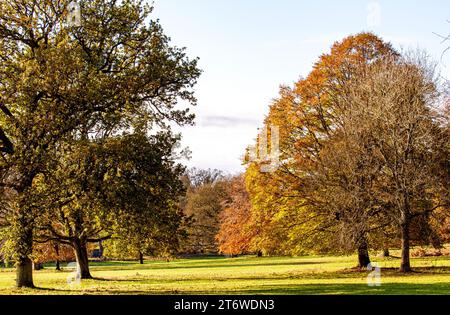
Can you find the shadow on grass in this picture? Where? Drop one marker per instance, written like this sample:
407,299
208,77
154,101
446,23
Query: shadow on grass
304,275
175,266
305,289
354,289
38,289
386,271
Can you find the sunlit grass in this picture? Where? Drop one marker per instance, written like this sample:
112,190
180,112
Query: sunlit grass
243,275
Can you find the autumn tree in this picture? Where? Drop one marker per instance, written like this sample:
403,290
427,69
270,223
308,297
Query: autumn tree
203,204
235,234
60,80
306,115
391,113
51,252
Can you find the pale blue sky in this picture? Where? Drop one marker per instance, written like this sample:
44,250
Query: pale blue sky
247,48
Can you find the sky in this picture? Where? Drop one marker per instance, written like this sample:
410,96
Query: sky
248,48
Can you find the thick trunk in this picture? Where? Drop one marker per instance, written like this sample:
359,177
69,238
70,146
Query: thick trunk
363,255
386,252
24,273
141,258
405,264
82,258
24,247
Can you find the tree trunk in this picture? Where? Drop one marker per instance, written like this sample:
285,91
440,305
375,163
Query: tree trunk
38,266
24,273
386,252
141,258
259,254
363,255
405,264
82,258
56,247
23,236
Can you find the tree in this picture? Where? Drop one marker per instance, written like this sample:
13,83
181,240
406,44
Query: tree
391,110
143,235
202,207
307,115
52,252
125,184
60,80
235,236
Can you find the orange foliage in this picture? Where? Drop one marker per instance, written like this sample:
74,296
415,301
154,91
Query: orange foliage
48,252
234,237
306,116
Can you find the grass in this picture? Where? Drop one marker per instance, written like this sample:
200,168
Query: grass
243,275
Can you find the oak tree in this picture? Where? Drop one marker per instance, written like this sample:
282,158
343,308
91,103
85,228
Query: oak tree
60,80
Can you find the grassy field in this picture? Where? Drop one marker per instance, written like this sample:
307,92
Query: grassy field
244,275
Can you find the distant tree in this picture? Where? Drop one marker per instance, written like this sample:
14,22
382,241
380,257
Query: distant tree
156,231
158,235
198,177
98,189
52,252
205,194
235,235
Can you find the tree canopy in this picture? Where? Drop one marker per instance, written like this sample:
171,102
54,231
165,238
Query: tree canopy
61,83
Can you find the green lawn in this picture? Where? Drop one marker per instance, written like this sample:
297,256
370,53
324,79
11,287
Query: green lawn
244,275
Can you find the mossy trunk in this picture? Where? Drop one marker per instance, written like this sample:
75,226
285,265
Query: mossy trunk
23,237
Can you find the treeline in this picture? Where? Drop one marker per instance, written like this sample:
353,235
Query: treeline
362,161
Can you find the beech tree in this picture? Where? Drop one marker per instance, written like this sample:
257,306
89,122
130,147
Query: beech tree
307,115
393,109
62,81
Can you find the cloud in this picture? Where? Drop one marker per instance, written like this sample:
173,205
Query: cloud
374,14
226,121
